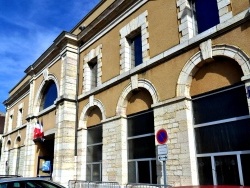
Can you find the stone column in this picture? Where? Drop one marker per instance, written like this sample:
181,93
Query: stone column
64,160
29,151
115,150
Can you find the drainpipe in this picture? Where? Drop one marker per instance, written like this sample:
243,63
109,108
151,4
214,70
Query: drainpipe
77,109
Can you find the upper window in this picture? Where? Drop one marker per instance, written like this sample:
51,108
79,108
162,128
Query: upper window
135,50
49,95
10,123
92,69
197,16
93,73
19,116
134,43
205,14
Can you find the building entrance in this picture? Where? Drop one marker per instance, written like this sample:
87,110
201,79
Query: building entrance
45,157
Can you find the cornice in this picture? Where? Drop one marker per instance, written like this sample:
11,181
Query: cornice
104,19
58,44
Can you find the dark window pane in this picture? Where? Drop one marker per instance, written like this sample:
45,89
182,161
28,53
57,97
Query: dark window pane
94,153
231,136
132,172
144,172
142,147
88,172
49,95
205,171
212,107
227,170
96,175
207,14
93,72
137,49
153,172
245,163
141,124
94,135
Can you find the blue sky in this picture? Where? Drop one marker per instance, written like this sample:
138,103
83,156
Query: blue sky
27,29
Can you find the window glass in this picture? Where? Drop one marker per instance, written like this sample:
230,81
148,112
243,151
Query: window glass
227,170
245,163
93,72
138,150
207,14
137,50
140,124
230,136
94,153
49,95
204,106
205,171
94,135
141,148
222,124
142,172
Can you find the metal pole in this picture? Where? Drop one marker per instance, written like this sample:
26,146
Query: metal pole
164,174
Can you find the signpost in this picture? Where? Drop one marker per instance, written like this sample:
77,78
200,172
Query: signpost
162,149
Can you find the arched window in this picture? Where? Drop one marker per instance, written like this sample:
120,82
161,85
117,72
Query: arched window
49,95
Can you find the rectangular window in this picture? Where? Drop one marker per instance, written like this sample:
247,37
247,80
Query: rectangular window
205,13
94,153
142,158
10,122
136,50
19,117
245,159
227,170
93,73
222,134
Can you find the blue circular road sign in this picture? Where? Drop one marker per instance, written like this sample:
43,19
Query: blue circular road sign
162,136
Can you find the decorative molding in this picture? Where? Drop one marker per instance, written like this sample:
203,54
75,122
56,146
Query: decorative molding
206,50
192,66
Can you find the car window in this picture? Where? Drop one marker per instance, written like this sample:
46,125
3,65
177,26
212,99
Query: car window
40,184
29,184
3,185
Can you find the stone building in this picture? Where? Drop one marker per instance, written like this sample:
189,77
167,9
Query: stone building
102,91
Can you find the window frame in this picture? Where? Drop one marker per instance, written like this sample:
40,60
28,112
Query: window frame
91,145
213,155
136,160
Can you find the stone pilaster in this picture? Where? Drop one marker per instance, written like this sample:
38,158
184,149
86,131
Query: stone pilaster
175,116
115,151
64,159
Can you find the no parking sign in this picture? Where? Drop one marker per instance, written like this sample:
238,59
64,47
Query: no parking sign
162,136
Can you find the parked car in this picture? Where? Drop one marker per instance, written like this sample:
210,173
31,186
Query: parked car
24,182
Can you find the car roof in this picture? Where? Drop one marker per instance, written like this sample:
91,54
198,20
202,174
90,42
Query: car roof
8,179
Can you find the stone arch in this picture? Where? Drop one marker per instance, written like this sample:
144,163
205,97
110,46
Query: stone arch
8,144
192,66
39,94
83,117
17,141
123,100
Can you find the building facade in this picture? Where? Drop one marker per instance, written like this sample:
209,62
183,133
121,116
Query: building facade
129,68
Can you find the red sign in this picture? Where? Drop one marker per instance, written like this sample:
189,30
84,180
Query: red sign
162,136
